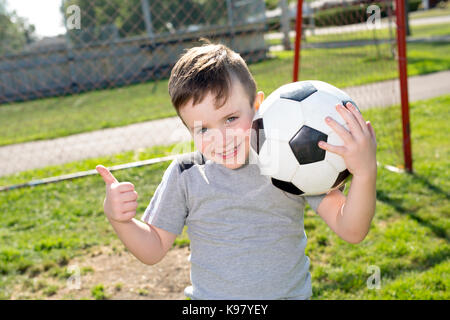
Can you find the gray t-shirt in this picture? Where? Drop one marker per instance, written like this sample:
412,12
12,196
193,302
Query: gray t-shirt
247,239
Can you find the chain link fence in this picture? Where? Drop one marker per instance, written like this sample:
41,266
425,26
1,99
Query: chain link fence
101,87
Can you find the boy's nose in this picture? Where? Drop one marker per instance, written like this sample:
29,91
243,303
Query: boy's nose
224,139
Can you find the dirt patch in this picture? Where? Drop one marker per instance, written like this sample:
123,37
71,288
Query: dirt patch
123,276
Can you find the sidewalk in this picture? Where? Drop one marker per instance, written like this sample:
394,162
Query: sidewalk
38,154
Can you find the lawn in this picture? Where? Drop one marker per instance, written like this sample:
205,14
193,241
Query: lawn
62,116
420,31
44,227
435,12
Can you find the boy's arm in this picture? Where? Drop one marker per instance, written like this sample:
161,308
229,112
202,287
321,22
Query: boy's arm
147,243
350,217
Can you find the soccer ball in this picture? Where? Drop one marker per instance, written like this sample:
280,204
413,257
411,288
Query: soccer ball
285,133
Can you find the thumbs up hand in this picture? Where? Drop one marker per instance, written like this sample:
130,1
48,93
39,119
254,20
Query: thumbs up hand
121,199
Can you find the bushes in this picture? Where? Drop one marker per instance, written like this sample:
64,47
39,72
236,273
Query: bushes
347,14
356,13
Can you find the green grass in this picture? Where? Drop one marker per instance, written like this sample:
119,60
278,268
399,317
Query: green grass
352,66
62,116
420,31
435,12
43,227
430,30
98,292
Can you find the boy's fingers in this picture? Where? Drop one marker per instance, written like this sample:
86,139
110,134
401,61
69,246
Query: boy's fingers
350,119
125,187
358,116
371,130
129,206
129,215
329,147
339,129
129,196
106,175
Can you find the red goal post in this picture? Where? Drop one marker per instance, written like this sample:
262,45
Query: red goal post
402,69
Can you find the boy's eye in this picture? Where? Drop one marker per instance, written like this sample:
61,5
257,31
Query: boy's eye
233,118
203,130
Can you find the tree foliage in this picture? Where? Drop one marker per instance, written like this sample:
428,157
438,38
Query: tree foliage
103,19
15,31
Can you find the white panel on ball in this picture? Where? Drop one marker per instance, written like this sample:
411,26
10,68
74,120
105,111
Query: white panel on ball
287,162
268,158
334,159
269,100
315,178
316,106
282,120
326,87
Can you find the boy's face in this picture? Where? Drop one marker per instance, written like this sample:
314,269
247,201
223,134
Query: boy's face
222,135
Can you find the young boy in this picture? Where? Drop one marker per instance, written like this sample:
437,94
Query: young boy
246,236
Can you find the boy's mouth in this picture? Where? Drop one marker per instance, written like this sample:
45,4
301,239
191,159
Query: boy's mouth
229,153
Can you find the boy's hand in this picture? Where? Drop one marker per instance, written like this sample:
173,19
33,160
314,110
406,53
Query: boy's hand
359,149
121,200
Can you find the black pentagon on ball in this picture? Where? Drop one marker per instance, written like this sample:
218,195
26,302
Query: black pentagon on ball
286,186
306,89
341,178
257,137
304,145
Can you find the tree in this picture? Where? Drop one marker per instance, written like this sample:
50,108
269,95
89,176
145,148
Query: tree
99,17
15,31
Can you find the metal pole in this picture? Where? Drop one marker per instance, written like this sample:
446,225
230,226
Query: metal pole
147,18
231,23
298,39
285,28
402,67
408,30
230,13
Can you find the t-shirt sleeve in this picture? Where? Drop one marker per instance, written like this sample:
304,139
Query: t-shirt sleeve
314,201
167,209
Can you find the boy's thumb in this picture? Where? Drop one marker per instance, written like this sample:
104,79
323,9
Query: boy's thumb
106,174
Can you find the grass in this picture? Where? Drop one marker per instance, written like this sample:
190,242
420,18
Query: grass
61,116
42,230
98,292
420,31
435,12
416,31
44,227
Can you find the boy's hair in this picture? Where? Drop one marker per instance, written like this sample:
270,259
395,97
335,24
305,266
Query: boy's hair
209,68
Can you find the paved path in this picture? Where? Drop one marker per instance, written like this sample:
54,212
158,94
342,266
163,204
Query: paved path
37,154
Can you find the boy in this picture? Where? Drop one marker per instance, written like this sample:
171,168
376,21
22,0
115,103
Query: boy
246,236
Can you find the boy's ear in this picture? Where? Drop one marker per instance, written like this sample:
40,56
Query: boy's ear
258,100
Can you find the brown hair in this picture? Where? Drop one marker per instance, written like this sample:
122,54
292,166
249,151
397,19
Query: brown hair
208,68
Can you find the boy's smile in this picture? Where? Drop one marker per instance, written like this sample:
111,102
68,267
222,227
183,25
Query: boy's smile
222,134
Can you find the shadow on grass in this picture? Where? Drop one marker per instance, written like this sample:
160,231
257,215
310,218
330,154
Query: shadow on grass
430,186
349,282
428,65
438,231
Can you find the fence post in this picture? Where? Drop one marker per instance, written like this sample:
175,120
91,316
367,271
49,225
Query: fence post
230,13
147,18
408,30
231,23
73,85
402,67
285,27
